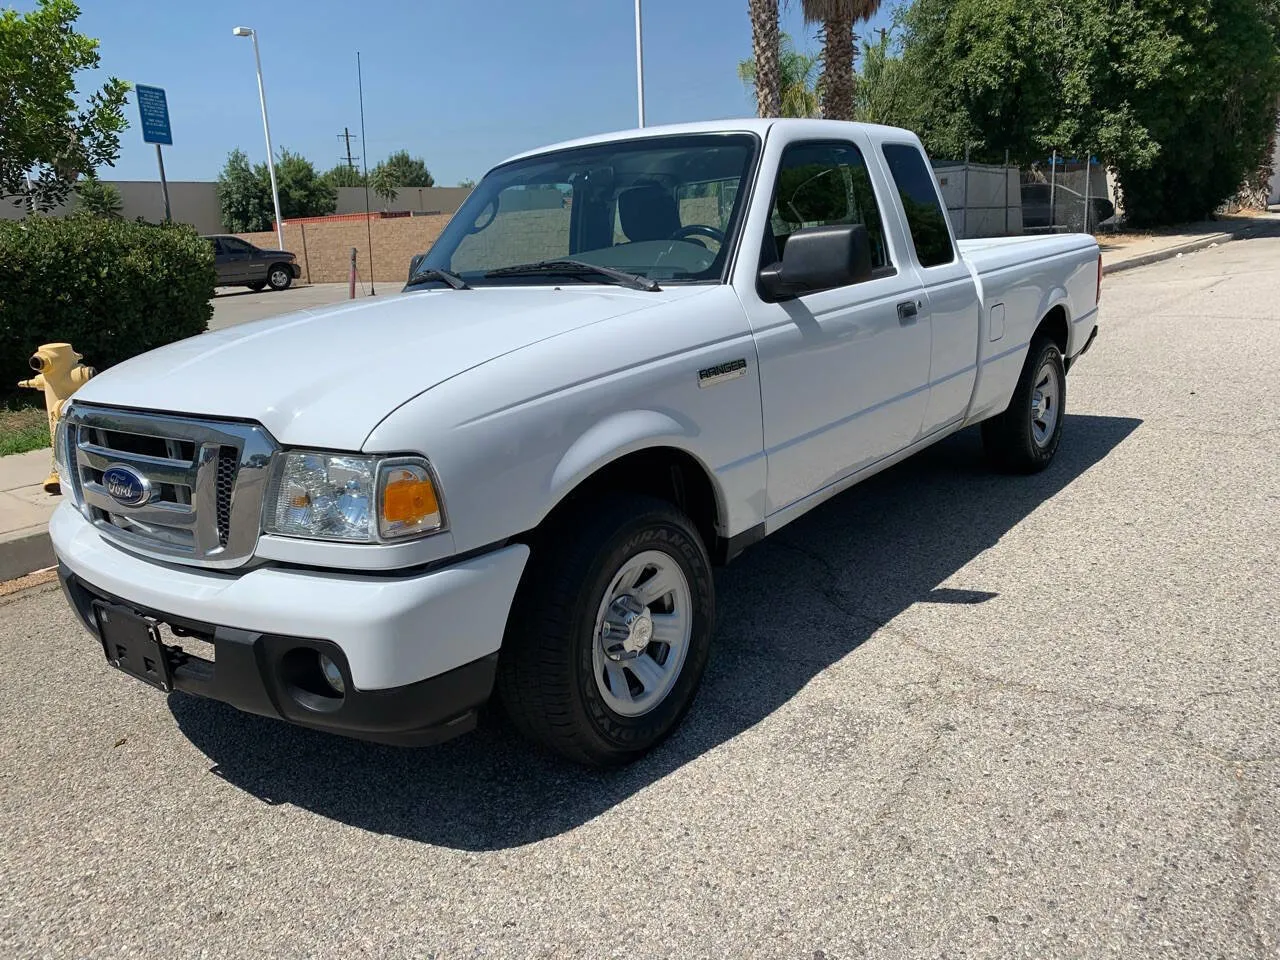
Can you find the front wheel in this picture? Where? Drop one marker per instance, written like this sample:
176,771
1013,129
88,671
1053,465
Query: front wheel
279,277
610,631
1025,437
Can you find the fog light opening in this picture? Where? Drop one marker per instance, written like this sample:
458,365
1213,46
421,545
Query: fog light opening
313,679
332,675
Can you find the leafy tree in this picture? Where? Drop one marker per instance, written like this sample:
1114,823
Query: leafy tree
345,175
1176,98
383,183
98,199
404,171
839,47
797,79
46,139
467,182
244,192
883,92
244,199
303,191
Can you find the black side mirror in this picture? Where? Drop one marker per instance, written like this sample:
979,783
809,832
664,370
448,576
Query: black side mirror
416,262
818,258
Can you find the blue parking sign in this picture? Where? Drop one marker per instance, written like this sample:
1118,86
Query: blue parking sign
154,109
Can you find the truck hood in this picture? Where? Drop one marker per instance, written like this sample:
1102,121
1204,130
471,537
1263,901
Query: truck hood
327,376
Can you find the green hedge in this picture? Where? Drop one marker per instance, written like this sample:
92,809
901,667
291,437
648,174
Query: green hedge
111,288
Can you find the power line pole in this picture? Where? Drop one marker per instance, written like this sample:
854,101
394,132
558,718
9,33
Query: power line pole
347,135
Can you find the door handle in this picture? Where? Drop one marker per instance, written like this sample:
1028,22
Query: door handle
907,311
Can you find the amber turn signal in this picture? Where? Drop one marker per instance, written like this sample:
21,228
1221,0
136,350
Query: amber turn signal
409,501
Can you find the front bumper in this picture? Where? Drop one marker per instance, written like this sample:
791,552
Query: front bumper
417,652
296,270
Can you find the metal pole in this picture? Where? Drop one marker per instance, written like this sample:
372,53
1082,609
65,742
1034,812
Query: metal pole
1005,174
964,230
266,128
164,184
364,159
1053,183
639,64
1087,172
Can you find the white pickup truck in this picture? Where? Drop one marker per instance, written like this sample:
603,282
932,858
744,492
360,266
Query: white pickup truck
625,359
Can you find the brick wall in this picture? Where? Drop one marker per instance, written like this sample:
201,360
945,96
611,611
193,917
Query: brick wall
324,249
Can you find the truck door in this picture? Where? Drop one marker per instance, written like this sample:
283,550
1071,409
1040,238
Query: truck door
950,293
843,371
238,262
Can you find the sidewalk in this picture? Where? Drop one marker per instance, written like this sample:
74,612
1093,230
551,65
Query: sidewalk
1125,251
24,514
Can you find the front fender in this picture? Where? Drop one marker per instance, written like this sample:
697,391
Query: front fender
616,436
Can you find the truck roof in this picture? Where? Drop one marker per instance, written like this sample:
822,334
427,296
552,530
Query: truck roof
816,128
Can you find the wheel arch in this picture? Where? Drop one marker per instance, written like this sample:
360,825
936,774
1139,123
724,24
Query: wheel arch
1055,323
642,451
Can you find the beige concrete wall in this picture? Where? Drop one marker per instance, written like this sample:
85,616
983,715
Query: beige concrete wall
190,201
414,199
324,249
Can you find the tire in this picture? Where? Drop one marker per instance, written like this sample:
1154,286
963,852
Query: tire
279,276
571,597
1025,437
257,285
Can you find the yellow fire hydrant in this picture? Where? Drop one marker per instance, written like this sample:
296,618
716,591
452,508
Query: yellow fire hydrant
59,374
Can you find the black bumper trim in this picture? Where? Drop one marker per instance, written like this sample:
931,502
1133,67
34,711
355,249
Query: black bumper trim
253,672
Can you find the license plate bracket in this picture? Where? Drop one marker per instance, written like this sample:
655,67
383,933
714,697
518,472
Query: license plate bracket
132,645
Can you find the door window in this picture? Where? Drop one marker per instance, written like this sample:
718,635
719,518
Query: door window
919,193
821,184
235,245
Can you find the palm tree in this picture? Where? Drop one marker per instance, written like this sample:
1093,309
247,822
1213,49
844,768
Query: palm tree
765,52
839,48
797,80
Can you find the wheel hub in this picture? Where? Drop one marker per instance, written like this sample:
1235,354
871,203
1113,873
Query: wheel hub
627,629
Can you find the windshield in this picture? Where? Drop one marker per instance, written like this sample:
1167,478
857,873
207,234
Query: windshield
666,208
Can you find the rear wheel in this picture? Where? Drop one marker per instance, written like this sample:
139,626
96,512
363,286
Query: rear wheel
610,631
279,276
1025,437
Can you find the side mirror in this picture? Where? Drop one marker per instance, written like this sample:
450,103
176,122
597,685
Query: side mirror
416,262
818,258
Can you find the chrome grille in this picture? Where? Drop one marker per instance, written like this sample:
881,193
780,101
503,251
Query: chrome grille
228,463
205,482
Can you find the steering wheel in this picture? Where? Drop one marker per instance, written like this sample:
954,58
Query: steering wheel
699,230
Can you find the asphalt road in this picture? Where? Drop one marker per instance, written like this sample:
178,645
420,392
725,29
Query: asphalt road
948,714
232,305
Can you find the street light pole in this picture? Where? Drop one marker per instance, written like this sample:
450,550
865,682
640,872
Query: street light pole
639,64
266,128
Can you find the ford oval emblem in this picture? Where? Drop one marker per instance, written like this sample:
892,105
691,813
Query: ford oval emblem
126,486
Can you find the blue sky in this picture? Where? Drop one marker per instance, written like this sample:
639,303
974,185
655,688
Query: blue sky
462,83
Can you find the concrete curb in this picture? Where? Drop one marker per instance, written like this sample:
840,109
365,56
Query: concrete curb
24,554
1199,243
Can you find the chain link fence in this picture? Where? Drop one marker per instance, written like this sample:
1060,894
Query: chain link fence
1000,200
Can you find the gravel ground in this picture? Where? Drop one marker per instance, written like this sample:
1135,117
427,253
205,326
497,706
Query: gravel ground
948,714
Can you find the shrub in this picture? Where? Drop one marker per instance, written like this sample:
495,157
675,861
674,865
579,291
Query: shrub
110,288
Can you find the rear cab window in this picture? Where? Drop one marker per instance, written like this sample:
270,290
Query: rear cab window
823,184
918,191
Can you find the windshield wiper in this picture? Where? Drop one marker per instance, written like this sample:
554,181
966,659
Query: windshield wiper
574,268
431,273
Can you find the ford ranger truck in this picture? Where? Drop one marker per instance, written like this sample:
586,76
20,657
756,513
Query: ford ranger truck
626,359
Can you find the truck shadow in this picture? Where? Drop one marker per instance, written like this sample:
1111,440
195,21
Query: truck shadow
796,603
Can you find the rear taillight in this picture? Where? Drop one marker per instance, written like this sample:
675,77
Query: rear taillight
1097,295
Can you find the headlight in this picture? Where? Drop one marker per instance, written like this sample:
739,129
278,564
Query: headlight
62,457
325,496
